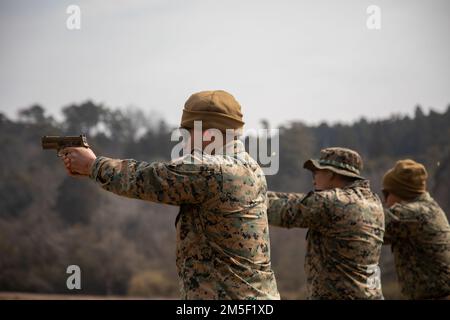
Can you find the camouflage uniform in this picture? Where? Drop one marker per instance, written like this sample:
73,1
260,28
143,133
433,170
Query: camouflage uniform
345,231
419,234
223,247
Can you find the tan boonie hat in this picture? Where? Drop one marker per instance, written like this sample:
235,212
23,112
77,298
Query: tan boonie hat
342,161
216,109
408,179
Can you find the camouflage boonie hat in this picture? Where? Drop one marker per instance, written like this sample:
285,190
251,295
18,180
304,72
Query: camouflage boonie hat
342,161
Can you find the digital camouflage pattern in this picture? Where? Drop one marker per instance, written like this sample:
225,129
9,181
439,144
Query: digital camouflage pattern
344,239
223,246
419,234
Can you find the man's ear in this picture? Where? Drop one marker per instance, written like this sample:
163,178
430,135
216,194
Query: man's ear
331,175
206,134
213,135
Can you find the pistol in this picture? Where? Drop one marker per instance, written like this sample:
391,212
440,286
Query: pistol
60,142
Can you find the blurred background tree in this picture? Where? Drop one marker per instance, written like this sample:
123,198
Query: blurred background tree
127,247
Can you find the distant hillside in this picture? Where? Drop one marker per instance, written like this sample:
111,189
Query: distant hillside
49,221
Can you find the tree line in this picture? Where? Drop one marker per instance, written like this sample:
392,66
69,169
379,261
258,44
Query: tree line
127,247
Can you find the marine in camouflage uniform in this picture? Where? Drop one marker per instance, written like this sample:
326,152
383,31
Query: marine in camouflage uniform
223,246
345,230
418,231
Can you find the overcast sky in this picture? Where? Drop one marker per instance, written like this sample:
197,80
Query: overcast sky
282,60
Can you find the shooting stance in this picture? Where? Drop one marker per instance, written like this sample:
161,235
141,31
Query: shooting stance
223,246
345,224
418,232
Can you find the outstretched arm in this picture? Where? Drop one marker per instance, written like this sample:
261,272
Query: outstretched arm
301,210
399,224
283,209
169,183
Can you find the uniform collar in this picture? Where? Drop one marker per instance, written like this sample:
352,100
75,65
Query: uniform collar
423,197
360,183
232,148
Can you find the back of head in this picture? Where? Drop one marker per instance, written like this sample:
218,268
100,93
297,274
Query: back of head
215,109
407,179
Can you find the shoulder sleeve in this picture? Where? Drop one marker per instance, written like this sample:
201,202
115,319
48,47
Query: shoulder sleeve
282,208
298,209
316,209
400,222
172,183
